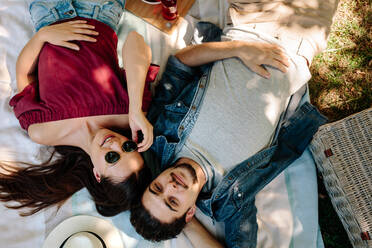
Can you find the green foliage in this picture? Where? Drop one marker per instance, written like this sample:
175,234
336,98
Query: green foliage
342,85
342,74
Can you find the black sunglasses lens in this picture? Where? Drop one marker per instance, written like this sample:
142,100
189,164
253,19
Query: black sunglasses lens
129,146
112,157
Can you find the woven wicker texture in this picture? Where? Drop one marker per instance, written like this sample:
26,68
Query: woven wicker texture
343,153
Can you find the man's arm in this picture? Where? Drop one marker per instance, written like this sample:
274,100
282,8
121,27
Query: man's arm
136,61
59,35
252,54
199,236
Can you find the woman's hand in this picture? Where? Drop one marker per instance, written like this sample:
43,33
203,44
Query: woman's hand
256,54
138,122
61,34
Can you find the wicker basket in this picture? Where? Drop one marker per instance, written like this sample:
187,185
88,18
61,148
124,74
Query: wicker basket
343,153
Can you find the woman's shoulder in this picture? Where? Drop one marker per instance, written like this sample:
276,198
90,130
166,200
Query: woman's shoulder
54,132
60,132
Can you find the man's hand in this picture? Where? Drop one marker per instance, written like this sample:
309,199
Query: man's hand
138,122
61,34
256,54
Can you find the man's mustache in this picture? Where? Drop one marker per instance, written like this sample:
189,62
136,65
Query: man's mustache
190,169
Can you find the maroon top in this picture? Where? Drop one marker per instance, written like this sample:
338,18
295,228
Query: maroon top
82,83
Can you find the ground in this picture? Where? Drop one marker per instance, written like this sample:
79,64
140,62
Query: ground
342,85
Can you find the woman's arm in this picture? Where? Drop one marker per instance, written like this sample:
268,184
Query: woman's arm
252,54
199,236
59,35
26,62
136,61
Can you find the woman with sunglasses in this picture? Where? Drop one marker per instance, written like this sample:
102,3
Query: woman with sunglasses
74,97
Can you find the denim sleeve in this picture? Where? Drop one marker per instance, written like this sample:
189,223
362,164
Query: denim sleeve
241,227
177,75
174,79
206,32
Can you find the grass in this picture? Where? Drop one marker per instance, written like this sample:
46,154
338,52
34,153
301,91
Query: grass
342,74
342,85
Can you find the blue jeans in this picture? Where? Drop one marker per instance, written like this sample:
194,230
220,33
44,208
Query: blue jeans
46,12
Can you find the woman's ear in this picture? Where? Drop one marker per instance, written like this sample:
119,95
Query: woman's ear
190,213
96,174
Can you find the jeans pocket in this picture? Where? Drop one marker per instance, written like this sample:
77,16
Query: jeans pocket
112,10
169,120
177,108
44,13
41,14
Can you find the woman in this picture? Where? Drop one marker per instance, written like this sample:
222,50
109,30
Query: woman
73,95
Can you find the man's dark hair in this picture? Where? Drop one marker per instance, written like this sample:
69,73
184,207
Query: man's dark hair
151,228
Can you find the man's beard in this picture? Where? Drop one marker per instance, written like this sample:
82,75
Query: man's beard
190,169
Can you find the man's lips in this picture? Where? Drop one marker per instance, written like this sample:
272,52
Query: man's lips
179,180
108,137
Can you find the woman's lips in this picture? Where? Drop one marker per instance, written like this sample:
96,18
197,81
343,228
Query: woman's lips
108,137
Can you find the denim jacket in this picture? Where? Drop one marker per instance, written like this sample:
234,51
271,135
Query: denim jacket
44,13
173,113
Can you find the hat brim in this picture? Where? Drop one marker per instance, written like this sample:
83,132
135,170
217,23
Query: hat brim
108,232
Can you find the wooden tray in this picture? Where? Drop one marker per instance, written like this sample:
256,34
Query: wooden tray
152,13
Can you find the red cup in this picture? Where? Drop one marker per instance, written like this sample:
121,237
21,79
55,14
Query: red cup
169,9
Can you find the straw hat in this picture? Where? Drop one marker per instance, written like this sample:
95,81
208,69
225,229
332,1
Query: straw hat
84,231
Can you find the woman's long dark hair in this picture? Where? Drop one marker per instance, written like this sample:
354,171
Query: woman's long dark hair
68,170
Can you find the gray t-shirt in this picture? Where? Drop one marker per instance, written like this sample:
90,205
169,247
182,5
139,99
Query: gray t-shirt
213,177
241,109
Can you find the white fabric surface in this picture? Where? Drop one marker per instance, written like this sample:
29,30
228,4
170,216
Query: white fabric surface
287,207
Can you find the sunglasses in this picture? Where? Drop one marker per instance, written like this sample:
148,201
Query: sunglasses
128,146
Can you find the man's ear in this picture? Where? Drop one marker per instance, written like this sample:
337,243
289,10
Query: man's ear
190,213
96,174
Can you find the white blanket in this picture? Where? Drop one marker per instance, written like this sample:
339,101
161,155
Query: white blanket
287,207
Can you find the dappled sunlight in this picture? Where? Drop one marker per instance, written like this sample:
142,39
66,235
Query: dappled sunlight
277,219
177,38
310,4
252,84
273,107
4,73
330,98
13,143
110,234
274,214
274,229
298,228
102,76
3,32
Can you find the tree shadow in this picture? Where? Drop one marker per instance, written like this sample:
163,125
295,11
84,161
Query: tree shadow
354,87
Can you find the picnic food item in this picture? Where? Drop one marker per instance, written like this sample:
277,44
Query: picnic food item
169,10
152,1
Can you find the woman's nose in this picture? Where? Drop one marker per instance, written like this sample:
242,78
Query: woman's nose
116,146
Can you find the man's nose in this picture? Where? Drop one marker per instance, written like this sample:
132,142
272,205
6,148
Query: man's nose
173,186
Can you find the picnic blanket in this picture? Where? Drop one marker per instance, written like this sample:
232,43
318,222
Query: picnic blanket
287,207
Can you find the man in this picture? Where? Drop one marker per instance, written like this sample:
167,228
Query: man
216,133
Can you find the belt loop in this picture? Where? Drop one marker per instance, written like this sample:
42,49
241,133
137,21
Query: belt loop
55,13
96,11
